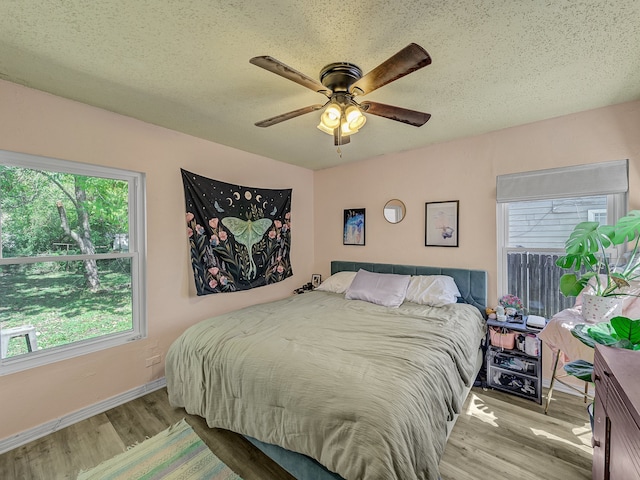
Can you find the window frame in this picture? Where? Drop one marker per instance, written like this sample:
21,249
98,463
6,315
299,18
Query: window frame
136,253
592,214
616,207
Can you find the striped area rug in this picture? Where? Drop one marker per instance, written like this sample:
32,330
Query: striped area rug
174,454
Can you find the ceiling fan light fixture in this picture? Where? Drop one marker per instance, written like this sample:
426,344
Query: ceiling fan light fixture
325,129
346,129
354,118
347,117
331,118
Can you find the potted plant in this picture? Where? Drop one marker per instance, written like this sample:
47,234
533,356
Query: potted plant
587,257
619,332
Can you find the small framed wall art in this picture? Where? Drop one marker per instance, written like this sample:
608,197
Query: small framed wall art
353,233
441,224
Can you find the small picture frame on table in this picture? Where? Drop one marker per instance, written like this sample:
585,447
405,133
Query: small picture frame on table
316,280
441,224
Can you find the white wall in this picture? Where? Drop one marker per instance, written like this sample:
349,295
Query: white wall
465,170
462,170
41,124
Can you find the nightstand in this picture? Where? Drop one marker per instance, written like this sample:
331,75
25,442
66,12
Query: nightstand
514,359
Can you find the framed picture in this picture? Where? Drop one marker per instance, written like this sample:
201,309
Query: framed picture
353,233
316,280
441,224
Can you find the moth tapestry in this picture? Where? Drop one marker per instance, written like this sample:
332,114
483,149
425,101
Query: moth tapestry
240,237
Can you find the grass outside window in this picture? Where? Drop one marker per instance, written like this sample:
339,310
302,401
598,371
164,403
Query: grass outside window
53,298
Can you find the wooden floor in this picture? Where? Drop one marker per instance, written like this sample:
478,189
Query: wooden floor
497,437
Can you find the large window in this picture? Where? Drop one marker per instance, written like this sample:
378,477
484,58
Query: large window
72,254
537,212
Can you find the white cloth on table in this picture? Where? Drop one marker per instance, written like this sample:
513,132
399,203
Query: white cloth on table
557,336
557,333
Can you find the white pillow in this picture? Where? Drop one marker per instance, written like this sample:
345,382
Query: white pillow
337,283
434,290
385,289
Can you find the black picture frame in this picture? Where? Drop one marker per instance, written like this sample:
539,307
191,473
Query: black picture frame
353,231
441,224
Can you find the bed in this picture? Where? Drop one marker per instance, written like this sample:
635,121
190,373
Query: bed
331,387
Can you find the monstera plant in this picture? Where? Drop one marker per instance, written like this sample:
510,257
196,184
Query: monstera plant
619,332
587,257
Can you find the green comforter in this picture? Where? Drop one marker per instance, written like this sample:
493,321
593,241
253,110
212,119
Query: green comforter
365,390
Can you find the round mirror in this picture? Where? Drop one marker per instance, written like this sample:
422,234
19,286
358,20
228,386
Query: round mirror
394,211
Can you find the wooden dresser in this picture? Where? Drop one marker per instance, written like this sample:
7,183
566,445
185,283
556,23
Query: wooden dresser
616,431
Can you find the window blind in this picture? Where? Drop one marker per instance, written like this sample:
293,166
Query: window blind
603,178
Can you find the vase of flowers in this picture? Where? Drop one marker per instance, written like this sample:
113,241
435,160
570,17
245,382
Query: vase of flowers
512,305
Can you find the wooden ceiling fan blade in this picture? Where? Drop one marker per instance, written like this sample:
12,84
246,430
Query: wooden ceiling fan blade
288,116
279,68
409,59
399,114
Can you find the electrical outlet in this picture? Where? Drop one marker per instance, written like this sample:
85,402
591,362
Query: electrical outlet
153,360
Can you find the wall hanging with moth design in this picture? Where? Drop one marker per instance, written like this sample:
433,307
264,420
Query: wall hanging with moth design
240,237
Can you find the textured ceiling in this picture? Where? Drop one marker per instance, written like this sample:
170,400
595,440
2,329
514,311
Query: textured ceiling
185,64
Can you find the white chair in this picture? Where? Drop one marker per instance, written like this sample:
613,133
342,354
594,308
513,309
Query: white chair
559,377
557,336
26,331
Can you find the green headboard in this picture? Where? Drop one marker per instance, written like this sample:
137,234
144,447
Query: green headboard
471,283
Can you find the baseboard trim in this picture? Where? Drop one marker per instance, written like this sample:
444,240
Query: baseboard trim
40,431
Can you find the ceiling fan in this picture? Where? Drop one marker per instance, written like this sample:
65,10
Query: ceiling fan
341,82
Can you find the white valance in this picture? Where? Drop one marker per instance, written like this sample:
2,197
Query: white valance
581,180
